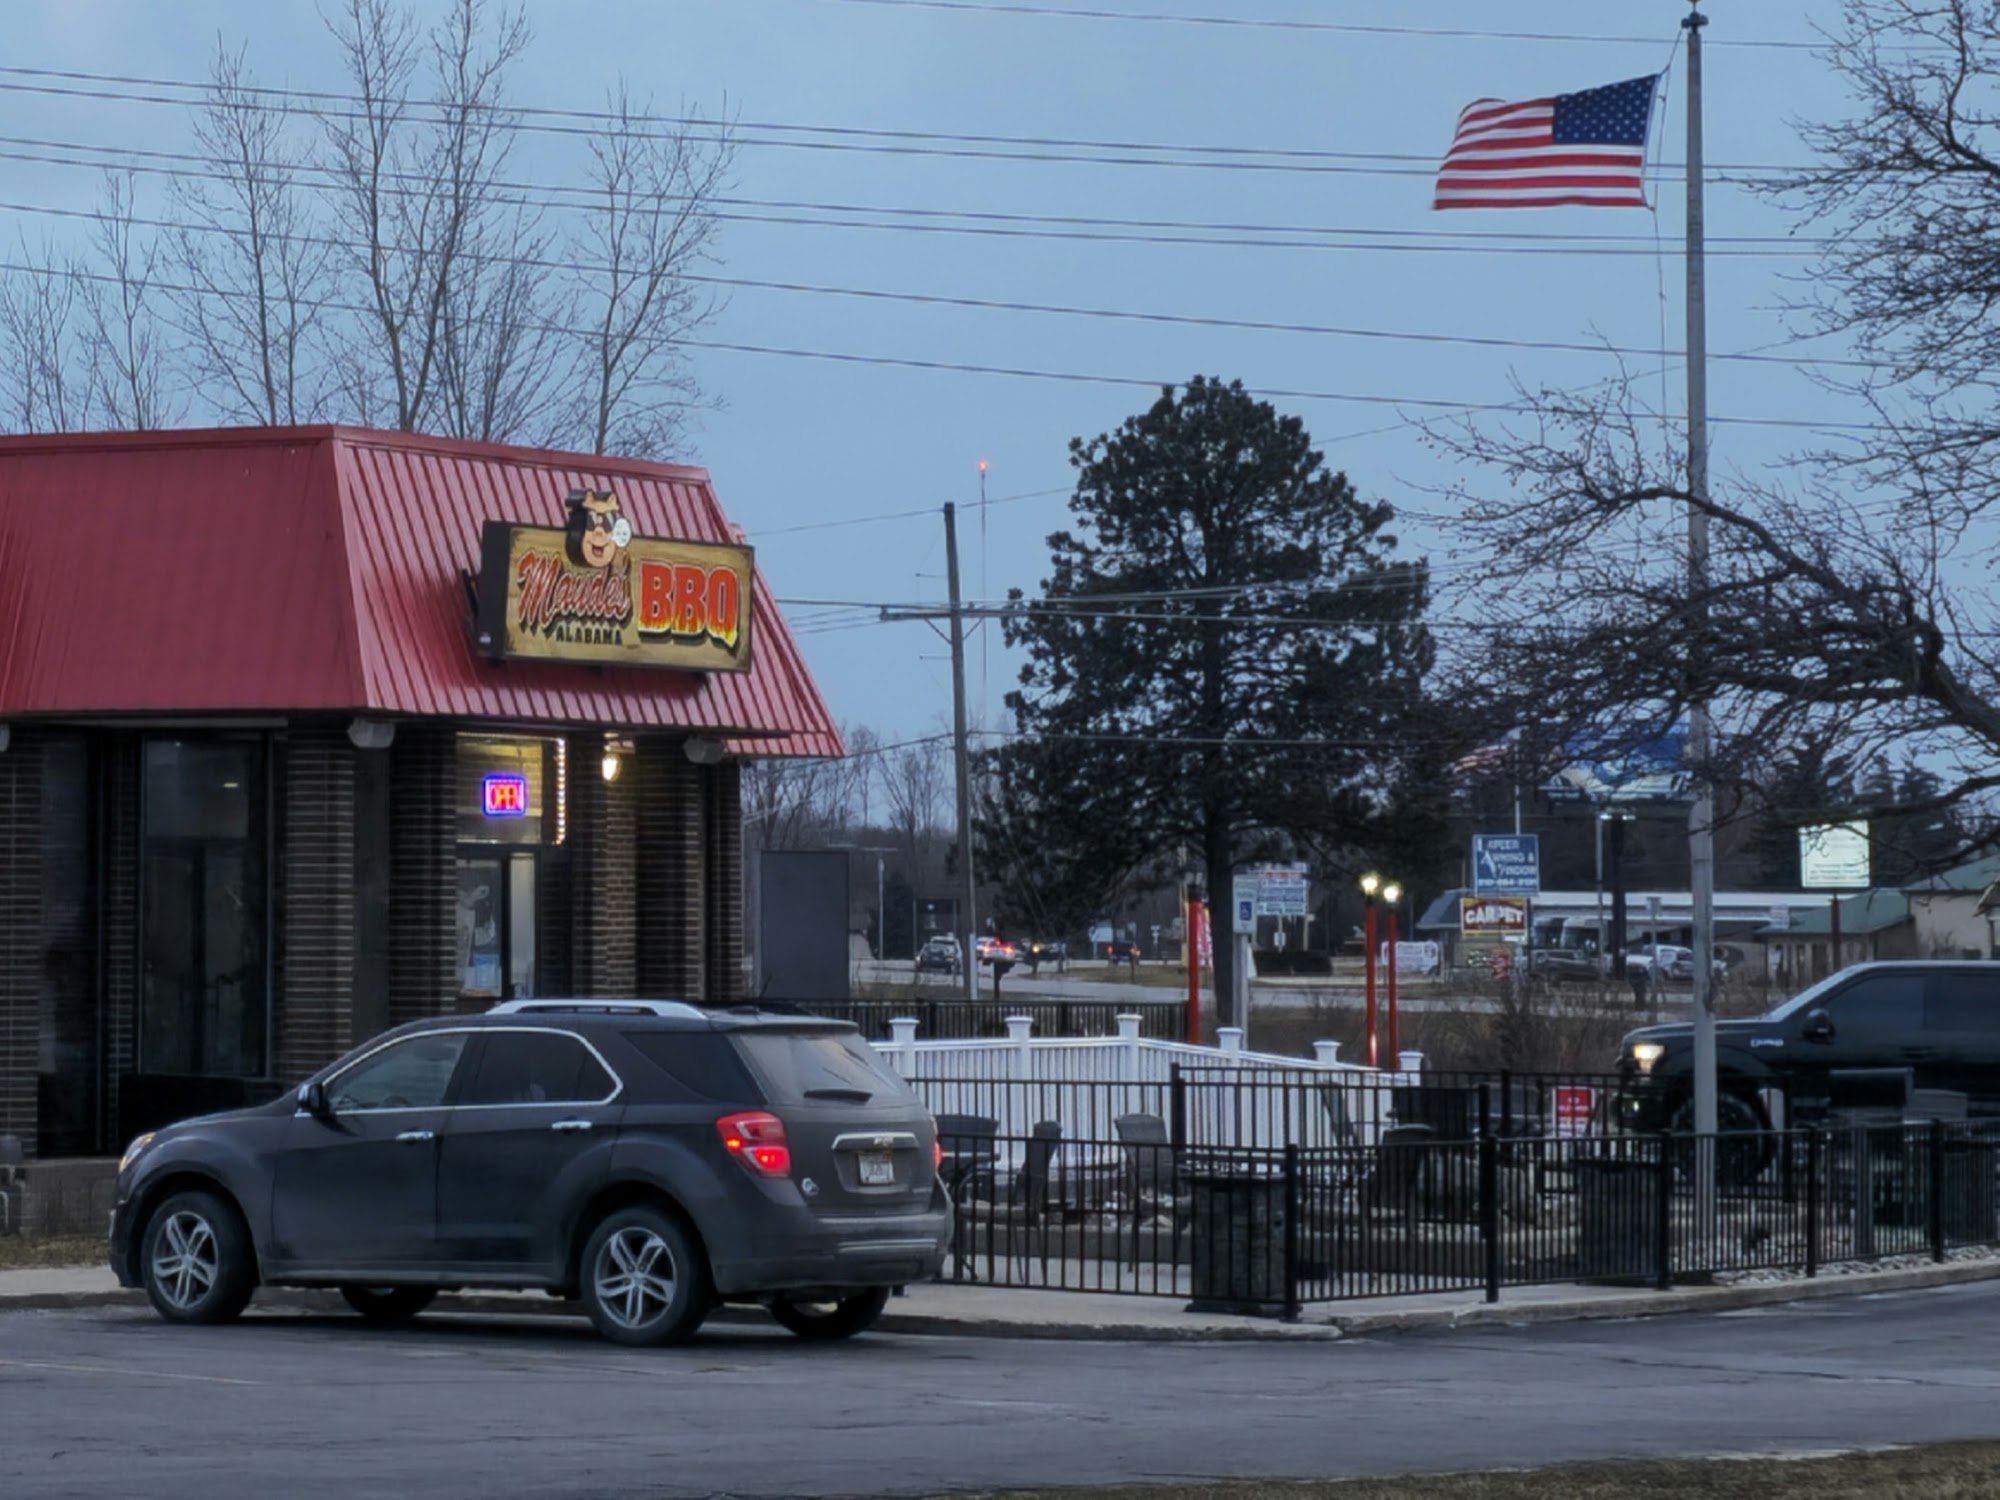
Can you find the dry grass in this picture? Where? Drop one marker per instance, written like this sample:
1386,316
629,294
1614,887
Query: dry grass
1949,1471
35,1251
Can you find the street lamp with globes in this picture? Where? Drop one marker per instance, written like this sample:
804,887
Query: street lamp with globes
1370,884
1392,895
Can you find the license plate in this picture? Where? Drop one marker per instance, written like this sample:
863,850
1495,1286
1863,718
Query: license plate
878,1168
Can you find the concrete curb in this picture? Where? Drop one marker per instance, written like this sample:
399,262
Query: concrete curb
1328,1327
1696,1299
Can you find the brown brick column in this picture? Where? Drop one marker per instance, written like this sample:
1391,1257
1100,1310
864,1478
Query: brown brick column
423,872
120,814
603,848
315,1008
20,935
672,885
724,949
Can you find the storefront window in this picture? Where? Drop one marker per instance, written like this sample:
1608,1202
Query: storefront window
509,808
204,935
506,790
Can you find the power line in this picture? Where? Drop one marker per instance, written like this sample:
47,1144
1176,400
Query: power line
979,223
1343,28
1055,149
958,367
935,299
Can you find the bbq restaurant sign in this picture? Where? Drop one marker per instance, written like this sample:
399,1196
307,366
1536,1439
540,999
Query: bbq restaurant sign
593,592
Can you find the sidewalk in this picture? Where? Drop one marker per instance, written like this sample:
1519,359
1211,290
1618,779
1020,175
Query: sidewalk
1005,1312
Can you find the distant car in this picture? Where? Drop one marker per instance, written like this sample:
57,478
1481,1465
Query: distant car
1563,965
939,955
997,950
1122,952
1038,954
1669,962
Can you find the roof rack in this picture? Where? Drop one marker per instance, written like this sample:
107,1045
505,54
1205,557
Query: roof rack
676,1008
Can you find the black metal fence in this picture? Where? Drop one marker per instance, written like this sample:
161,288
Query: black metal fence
1269,1229
1228,1104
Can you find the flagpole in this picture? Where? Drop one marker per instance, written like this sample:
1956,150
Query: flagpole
1701,812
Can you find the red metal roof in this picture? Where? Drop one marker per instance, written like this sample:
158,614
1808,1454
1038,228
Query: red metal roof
266,570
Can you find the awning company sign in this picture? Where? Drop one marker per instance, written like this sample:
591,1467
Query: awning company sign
1493,916
594,592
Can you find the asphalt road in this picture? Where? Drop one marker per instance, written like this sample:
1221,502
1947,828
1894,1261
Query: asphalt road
111,1402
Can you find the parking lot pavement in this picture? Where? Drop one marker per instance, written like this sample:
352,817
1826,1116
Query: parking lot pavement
110,1401
1033,1313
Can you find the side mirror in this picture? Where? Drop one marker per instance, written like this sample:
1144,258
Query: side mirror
312,1099
1818,1027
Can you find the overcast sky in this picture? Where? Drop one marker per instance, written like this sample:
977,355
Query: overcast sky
1385,311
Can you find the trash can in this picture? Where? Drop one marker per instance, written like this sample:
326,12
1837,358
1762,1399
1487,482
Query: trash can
1237,1232
1618,1219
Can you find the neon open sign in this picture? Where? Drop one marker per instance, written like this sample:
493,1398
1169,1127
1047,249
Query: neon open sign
504,794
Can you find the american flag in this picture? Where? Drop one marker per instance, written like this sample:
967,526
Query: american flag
1587,148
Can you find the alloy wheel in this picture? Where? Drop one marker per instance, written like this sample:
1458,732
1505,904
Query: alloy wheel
186,1259
634,1277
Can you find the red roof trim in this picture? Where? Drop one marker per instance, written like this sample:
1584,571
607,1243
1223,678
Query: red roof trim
320,569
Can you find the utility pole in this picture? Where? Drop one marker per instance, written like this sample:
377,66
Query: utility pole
961,754
1701,811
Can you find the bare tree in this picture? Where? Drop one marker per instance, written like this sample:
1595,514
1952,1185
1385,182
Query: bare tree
915,782
129,359
793,804
251,270
1848,613
650,227
44,367
416,203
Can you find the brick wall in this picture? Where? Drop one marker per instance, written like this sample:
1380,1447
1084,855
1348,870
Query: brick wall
20,935
725,978
602,861
672,884
315,926
423,872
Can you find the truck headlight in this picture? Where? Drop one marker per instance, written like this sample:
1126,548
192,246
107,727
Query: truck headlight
1645,1054
132,1151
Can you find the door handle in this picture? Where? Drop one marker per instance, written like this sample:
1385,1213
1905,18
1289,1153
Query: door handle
411,1137
570,1126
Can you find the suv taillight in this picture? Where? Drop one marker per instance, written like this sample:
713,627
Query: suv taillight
758,1141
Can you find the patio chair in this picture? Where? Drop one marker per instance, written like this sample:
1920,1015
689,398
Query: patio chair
1153,1182
1154,1186
970,1152
1397,1179
1028,1197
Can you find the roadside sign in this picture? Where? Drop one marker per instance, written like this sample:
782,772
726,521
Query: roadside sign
1281,890
1493,916
1244,888
1833,856
1506,864
1576,1105
1502,962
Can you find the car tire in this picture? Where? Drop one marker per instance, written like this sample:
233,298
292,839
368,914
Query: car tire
1738,1162
388,1305
838,1319
196,1260
644,1282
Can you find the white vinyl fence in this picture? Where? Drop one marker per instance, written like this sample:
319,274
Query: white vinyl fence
1233,1097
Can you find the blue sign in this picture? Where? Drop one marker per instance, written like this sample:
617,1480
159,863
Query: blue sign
1506,864
1606,769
